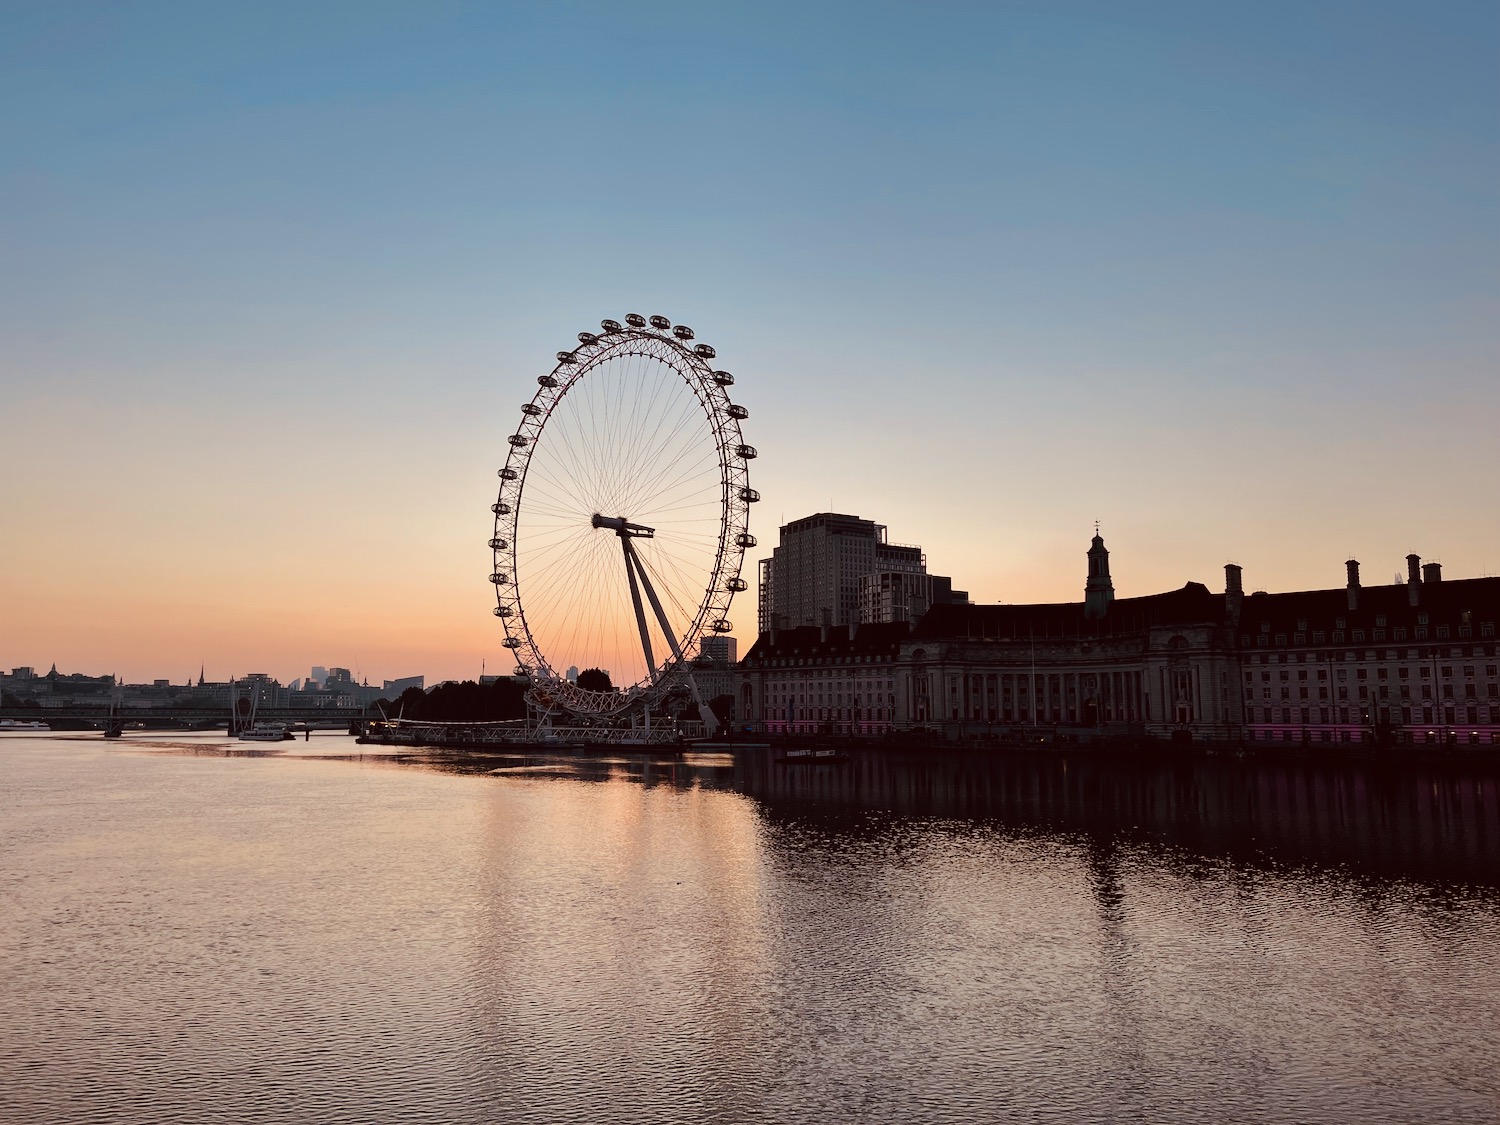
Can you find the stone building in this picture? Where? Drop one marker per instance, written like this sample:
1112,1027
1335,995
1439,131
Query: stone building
1410,663
822,678
1414,662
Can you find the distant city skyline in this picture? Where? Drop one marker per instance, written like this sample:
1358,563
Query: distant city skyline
278,279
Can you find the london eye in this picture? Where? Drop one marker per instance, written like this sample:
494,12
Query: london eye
622,520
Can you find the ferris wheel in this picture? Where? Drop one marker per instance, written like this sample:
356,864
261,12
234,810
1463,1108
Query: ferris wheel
622,519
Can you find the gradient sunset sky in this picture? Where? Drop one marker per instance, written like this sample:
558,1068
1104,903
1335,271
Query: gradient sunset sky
276,278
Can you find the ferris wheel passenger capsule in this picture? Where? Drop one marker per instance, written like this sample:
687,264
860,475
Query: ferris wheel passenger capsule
531,409
511,642
724,378
739,412
746,452
749,495
738,585
520,441
566,357
745,539
587,338
635,320
500,508
660,323
500,578
547,380
499,544
683,332
703,351
610,325
504,611
508,473
723,625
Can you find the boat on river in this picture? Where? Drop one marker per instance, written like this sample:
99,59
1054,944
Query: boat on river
266,732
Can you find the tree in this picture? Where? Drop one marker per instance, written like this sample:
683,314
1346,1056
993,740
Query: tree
595,679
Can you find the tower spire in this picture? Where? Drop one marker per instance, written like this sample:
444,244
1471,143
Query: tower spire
1099,590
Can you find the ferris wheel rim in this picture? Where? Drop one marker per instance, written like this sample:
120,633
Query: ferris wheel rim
660,342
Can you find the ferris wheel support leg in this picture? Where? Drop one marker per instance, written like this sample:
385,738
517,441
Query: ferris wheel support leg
710,722
631,562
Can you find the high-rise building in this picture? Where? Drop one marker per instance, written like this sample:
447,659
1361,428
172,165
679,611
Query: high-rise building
719,649
813,576
902,596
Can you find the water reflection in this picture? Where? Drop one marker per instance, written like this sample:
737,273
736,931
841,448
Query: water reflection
480,938
1434,821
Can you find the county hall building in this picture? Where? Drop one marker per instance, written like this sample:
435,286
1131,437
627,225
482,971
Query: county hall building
1408,663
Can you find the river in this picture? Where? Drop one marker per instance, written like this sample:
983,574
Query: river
195,932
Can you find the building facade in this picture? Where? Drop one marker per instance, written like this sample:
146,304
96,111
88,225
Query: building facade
834,569
819,678
1410,663
1414,663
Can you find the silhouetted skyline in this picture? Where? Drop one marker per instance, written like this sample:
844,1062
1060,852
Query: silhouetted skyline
278,279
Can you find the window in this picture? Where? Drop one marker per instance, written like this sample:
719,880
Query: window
1338,622
1359,636
1317,638
1281,638
1302,626
1442,633
1380,619
1338,637
1398,634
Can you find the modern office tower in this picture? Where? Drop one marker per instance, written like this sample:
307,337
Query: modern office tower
813,576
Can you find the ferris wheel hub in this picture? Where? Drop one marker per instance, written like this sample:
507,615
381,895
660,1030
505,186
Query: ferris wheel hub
623,527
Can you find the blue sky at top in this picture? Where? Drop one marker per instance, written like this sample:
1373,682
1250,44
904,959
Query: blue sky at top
1043,262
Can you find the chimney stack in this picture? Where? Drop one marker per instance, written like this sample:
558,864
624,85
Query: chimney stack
1234,593
1352,566
1432,572
1414,579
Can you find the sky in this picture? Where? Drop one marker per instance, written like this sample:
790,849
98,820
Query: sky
276,278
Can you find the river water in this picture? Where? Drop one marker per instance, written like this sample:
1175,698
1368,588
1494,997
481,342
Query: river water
190,932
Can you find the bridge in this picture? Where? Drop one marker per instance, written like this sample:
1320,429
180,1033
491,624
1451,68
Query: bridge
122,720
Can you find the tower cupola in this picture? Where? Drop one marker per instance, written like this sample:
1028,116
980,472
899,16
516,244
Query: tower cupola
1099,591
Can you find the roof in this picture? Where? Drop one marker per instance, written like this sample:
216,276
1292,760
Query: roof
882,639
1193,604
1442,602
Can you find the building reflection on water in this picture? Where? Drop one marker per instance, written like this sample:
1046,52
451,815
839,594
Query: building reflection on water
1435,820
